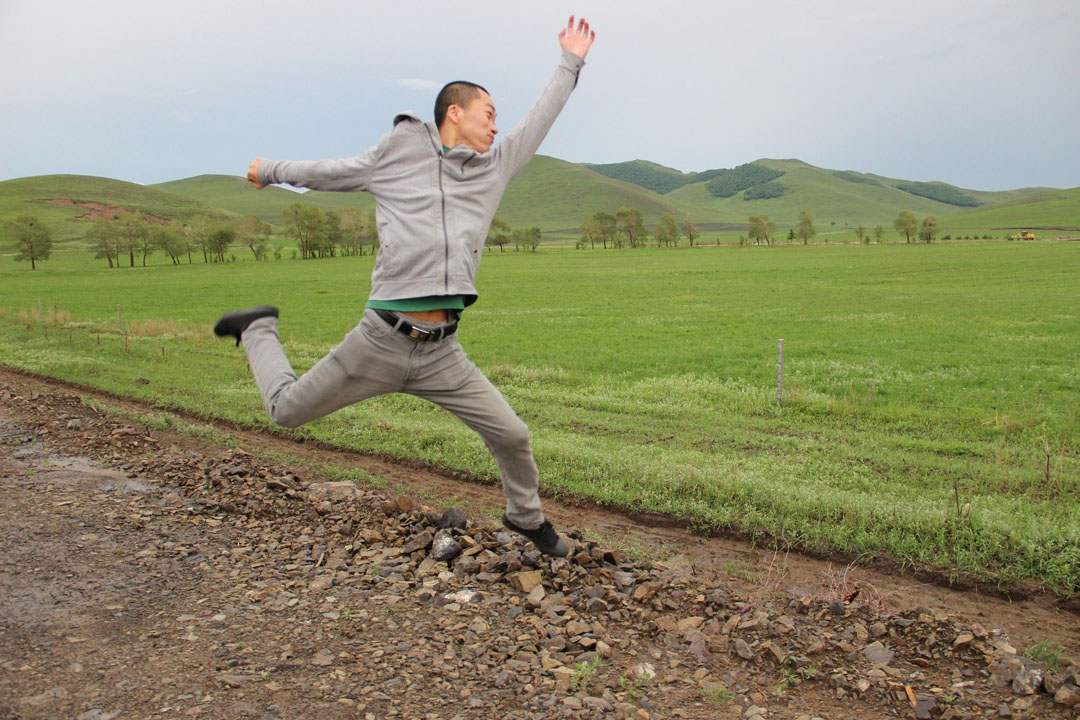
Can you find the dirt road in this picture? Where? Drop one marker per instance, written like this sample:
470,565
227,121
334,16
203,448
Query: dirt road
147,573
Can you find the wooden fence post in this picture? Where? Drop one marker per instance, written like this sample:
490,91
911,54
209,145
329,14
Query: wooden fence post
780,373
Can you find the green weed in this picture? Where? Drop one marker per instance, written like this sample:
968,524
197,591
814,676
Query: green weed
633,688
585,673
718,694
1045,651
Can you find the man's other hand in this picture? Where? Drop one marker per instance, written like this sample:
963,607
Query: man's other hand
577,41
253,173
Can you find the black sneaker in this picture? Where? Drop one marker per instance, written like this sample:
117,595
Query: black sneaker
544,538
236,322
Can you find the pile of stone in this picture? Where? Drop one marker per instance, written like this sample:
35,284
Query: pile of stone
595,634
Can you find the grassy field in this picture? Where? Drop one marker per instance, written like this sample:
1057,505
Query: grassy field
931,392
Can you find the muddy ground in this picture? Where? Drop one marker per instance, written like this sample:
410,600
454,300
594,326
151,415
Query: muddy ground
147,573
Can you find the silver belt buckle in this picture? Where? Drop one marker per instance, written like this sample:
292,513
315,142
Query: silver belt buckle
420,335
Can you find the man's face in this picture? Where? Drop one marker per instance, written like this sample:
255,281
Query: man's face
477,127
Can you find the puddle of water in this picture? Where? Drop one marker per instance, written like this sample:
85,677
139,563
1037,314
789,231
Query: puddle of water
134,486
116,480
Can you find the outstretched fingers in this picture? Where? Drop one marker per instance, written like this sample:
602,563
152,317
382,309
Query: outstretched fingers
577,40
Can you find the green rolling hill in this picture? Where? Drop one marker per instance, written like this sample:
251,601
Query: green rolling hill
651,176
237,195
558,195
837,199
85,196
554,194
1055,212
550,193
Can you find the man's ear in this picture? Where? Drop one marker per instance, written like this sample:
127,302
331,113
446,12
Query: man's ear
453,114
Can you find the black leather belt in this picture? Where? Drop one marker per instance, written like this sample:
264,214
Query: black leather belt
419,334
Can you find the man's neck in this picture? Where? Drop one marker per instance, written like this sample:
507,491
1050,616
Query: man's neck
449,137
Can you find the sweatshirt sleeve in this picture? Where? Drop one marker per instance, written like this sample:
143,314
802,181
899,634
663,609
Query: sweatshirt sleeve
520,144
345,174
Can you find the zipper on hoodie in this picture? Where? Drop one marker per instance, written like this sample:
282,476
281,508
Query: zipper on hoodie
446,234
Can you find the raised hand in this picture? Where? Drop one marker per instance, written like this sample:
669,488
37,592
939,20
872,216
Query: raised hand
253,173
577,41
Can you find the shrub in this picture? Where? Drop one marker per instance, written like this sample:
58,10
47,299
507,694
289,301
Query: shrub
765,192
738,179
855,178
940,192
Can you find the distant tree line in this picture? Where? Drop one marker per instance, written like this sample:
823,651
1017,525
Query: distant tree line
626,228
350,232
762,230
500,234
316,232
327,233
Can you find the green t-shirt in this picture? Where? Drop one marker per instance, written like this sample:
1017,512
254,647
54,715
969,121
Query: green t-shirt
431,302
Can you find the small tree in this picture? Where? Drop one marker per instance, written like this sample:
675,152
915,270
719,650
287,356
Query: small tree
608,228
198,233
134,234
906,223
590,231
104,239
805,229
860,233
352,230
498,234
526,238
761,229
309,227
219,240
667,231
32,240
879,232
371,232
928,229
171,242
690,230
532,238
631,224
147,239
254,234
332,236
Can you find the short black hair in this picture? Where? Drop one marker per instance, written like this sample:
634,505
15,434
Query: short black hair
458,92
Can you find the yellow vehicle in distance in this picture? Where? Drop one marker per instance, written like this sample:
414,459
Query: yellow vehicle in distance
1023,236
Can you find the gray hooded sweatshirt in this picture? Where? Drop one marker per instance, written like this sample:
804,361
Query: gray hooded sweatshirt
433,209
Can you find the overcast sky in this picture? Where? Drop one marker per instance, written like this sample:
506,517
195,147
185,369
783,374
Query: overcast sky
984,94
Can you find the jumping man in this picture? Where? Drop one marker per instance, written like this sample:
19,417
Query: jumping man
436,187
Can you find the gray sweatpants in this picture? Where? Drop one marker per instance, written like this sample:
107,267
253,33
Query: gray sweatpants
374,359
